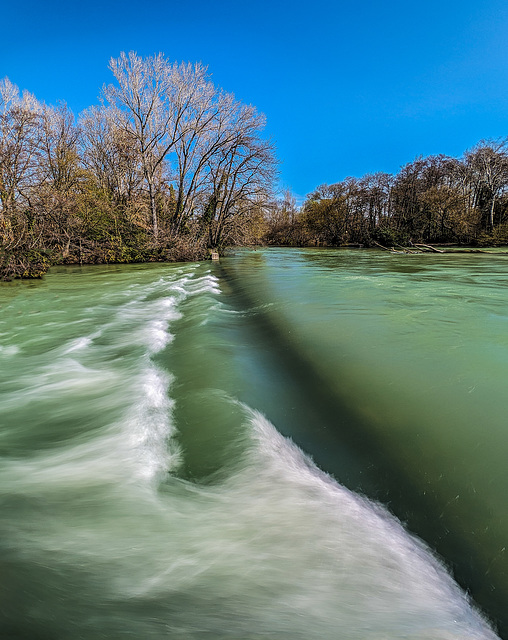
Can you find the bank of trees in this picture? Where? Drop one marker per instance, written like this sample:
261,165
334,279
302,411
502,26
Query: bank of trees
436,199
167,166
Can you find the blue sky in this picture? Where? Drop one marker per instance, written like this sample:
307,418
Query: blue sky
347,88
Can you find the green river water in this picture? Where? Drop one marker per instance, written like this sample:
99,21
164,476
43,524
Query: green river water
290,444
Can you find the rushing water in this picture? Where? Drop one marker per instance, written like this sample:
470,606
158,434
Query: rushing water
157,423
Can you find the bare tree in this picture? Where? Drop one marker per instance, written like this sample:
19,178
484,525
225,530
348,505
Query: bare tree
107,154
240,173
375,191
165,151
211,128
488,174
54,199
20,134
156,97
59,163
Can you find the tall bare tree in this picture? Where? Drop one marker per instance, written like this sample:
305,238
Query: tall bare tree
240,173
156,98
108,155
488,172
20,137
212,127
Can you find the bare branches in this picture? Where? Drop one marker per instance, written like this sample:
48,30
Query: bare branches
487,172
108,154
20,134
187,132
165,160
160,104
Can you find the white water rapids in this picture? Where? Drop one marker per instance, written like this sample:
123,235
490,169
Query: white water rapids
102,538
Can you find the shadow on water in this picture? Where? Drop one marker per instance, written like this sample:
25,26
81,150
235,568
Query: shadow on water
108,538
305,407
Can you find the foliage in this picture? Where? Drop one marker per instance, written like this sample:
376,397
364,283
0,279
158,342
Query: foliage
166,167
430,200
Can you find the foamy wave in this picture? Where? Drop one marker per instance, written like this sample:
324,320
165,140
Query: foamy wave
205,284
7,352
278,547
78,344
65,377
387,579
136,448
149,426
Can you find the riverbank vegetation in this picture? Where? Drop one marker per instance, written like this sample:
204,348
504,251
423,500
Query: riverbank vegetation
169,167
166,167
437,199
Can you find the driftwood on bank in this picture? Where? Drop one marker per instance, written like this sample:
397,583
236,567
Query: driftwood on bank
489,253
393,250
427,246
416,248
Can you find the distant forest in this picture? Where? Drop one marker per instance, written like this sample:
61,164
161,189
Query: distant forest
169,167
436,199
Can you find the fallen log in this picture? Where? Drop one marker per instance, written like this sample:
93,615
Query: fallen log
380,246
427,246
406,250
393,249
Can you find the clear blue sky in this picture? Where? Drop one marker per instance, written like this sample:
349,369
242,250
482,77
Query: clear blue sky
347,88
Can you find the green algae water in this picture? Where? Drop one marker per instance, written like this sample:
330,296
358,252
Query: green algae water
291,444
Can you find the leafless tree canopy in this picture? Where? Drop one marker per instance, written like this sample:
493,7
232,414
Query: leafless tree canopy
168,166
434,199
165,166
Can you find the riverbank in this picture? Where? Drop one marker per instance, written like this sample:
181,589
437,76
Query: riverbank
35,264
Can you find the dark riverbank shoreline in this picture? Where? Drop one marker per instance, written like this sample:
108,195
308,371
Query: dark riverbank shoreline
35,265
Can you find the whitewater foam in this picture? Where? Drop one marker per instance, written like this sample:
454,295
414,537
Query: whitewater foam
9,351
123,547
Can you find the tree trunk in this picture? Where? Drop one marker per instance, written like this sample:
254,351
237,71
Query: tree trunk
179,208
491,214
153,209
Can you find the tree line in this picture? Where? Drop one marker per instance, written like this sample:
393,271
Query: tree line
436,199
166,167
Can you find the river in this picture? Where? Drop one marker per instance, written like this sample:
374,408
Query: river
290,444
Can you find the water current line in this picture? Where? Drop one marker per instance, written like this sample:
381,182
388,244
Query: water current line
377,464
102,538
